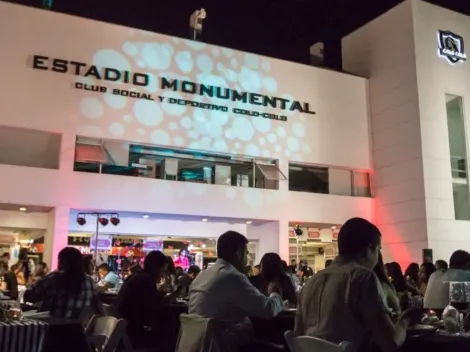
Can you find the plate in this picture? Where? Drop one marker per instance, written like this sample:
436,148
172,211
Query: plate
421,329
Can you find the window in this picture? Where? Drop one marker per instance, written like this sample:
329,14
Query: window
127,159
311,179
340,182
361,184
25,147
268,175
88,153
458,156
325,180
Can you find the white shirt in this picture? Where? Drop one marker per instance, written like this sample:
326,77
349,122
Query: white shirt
223,293
437,291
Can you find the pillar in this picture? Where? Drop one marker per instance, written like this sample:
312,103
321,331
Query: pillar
56,235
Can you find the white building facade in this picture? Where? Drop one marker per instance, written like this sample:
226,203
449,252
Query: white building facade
94,115
415,59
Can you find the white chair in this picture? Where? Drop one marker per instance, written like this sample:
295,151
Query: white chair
105,333
313,344
199,334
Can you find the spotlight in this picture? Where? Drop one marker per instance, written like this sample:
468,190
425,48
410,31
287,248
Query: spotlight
81,219
298,231
115,219
103,221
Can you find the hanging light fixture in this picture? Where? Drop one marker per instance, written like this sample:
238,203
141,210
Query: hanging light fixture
81,219
103,221
115,219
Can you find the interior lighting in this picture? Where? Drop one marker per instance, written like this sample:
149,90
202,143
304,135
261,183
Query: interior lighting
23,209
204,220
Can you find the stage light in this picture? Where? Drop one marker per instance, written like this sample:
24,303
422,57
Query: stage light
115,219
298,231
103,221
81,219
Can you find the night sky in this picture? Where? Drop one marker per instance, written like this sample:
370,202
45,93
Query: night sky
281,29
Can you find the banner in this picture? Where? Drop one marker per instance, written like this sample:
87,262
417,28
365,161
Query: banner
104,242
152,244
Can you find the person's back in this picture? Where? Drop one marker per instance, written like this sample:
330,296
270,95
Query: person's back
67,292
346,292
345,302
437,293
140,303
138,300
224,293
53,294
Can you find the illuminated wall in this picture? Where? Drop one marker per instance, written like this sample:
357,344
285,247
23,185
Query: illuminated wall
408,86
38,98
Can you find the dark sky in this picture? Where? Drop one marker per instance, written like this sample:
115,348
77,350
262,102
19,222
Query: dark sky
282,29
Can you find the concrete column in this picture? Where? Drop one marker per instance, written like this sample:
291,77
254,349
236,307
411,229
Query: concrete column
56,235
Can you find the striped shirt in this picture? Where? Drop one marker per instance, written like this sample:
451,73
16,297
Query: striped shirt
51,292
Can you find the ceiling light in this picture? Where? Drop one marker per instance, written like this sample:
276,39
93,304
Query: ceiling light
23,209
249,222
145,216
204,219
333,227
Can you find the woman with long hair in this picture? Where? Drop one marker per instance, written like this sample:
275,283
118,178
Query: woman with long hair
168,282
396,277
272,272
412,275
67,292
425,272
391,295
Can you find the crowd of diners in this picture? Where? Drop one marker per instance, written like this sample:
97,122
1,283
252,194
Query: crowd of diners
20,276
356,298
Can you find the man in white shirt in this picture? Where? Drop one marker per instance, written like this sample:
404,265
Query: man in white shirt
224,293
437,292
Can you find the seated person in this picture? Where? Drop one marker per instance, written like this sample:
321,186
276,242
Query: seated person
272,271
108,279
345,302
437,293
391,296
185,280
41,270
8,282
68,292
143,306
224,293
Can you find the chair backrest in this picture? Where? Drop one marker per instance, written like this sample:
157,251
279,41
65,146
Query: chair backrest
109,310
105,333
310,344
199,334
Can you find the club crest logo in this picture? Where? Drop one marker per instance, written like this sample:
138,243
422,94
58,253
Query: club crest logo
451,46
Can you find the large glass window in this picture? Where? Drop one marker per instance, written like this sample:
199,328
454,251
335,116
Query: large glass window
458,156
328,180
123,158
